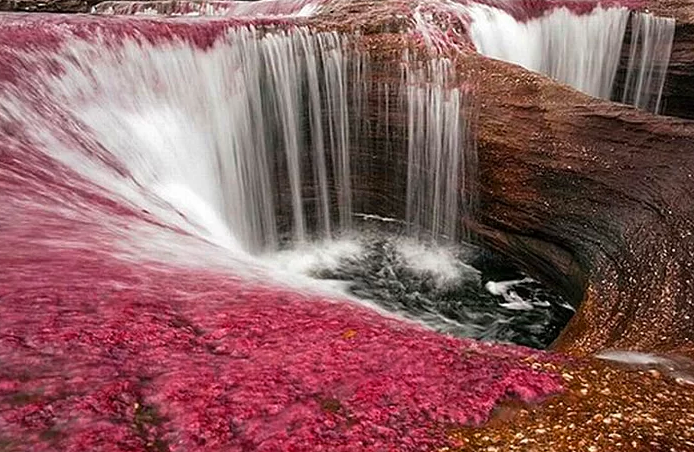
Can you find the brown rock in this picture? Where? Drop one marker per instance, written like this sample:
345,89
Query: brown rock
590,194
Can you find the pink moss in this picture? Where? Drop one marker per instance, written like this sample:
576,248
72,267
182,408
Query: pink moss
521,10
48,32
87,341
286,8
105,354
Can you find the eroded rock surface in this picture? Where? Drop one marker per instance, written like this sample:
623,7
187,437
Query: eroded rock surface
603,184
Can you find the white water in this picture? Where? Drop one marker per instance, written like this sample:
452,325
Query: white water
583,51
219,147
437,262
220,127
649,56
430,283
677,366
252,138
512,300
440,152
312,257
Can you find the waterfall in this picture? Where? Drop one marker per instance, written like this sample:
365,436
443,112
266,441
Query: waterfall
581,50
440,154
145,167
649,55
252,140
237,139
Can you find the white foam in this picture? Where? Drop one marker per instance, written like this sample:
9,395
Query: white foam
505,289
439,262
633,357
308,258
368,216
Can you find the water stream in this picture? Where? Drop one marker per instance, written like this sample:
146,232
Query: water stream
582,50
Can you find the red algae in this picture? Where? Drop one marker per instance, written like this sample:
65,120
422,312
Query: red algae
47,32
87,341
215,8
102,350
521,10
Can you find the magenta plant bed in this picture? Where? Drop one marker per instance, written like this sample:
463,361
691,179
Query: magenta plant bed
98,354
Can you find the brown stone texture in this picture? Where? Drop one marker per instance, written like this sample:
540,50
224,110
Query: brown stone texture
590,195
599,191
605,408
593,197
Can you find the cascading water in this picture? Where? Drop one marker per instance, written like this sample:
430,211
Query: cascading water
256,144
263,147
579,44
222,135
146,165
649,55
436,168
581,49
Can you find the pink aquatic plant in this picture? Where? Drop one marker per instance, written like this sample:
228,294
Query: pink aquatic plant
114,355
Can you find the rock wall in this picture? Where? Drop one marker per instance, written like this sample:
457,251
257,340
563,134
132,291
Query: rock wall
588,194
596,189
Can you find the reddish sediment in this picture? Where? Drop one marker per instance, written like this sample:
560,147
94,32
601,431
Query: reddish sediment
606,407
